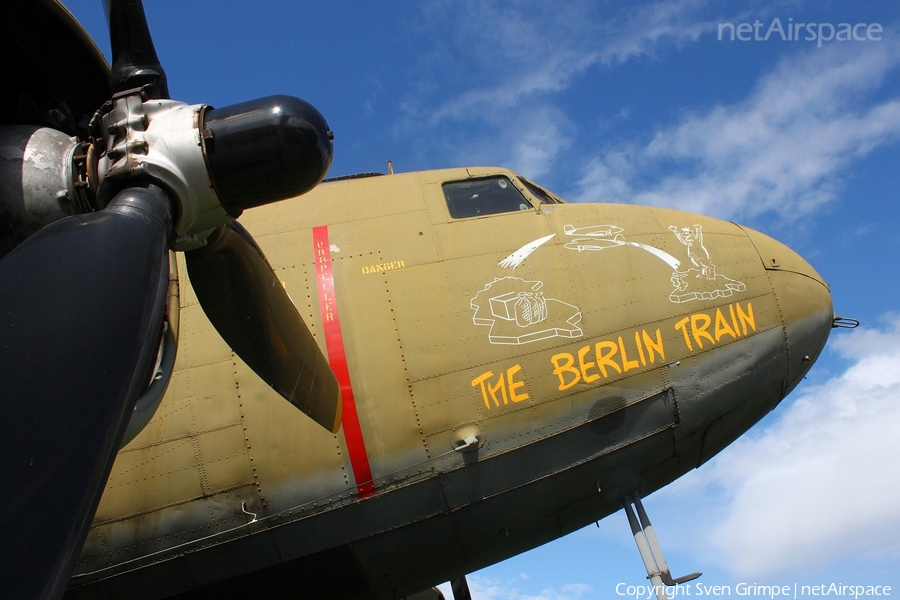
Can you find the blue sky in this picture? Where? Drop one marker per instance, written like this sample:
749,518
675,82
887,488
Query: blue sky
613,101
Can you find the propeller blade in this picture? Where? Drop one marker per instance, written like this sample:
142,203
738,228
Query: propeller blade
135,63
81,311
460,588
247,304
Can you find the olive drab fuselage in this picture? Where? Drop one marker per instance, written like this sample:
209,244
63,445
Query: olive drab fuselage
516,367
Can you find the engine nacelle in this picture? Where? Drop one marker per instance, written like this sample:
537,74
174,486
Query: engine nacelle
41,181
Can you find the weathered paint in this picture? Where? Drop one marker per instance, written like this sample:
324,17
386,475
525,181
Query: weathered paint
616,355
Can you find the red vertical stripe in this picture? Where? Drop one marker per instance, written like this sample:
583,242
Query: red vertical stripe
334,341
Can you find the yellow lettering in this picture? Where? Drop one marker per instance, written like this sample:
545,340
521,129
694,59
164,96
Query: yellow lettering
563,363
514,385
700,325
722,326
627,365
505,388
479,381
585,366
501,387
699,331
657,345
734,322
746,318
379,268
640,349
682,325
605,360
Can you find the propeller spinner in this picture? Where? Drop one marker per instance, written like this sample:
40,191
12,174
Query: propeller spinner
83,300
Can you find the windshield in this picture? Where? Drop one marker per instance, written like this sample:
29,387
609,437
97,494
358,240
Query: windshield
487,196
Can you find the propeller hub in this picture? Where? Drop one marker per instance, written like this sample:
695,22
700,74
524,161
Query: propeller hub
214,162
266,150
159,140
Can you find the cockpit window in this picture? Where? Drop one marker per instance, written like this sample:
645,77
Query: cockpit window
540,193
488,196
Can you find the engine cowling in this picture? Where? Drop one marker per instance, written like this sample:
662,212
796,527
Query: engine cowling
39,181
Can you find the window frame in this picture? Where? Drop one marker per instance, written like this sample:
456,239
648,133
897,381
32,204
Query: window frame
453,207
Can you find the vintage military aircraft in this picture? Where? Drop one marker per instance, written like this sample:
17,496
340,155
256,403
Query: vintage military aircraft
502,367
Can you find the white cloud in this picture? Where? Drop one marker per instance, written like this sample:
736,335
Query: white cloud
784,149
507,65
531,146
823,480
536,48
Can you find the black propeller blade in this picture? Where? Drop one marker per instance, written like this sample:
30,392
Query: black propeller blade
81,311
82,301
249,307
255,152
135,63
460,588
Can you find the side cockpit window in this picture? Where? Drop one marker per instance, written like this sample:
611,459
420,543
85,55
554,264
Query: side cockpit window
543,196
487,196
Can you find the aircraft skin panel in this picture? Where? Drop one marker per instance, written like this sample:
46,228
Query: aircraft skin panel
409,242
380,379
428,336
515,331
699,382
145,470
552,453
203,347
804,335
486,237
415,536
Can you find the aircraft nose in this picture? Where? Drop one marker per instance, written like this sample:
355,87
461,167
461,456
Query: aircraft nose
804,302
